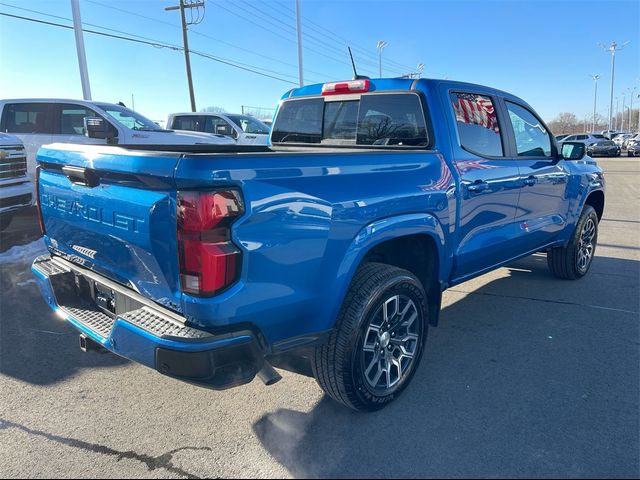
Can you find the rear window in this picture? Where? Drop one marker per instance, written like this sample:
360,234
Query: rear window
374,119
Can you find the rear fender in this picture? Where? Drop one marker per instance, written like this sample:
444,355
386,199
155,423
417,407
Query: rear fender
378,232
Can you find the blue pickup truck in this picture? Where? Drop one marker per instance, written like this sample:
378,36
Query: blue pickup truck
325,253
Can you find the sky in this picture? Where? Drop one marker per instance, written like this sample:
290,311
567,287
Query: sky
543,51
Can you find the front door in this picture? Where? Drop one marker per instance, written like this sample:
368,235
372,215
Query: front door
543,205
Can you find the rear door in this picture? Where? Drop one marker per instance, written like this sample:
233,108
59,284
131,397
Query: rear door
543,204
490,184
115,213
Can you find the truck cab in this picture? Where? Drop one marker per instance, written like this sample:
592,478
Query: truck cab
244,129
41,121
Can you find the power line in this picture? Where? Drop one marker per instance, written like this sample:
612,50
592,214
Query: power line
342,40
157,44
196,32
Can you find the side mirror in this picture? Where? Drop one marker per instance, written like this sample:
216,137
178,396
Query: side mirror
573,150
96,127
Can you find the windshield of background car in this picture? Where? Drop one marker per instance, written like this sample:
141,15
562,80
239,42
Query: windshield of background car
249,124
395,119
129,118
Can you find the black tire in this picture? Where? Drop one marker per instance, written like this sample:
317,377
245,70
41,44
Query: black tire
567,262
5,220
339,364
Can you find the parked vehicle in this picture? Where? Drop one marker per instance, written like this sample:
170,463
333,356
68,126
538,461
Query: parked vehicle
633,147
244,129
610,134
326,254
40,121
16,190
604,147
622,139
586,138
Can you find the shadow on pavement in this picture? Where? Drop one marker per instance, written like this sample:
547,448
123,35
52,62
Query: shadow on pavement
527,376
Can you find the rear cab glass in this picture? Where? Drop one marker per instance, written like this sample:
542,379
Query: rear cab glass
374,119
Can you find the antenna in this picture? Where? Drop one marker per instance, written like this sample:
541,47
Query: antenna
355,73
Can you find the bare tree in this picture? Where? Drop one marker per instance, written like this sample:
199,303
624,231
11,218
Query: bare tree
214,109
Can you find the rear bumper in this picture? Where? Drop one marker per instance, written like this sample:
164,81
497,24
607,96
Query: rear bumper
145,332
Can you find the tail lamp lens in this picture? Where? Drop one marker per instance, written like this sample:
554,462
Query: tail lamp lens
38,205
209,260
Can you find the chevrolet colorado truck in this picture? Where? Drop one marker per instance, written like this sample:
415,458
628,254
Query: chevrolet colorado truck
325,253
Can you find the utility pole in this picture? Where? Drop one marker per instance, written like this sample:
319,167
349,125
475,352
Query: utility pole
612,49
182,6
299,33
380,46
615,116
595,78
419,69
82,58
622,119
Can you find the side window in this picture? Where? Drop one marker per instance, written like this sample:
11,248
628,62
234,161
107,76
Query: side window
186,122
26,118
532,139
571,138
477,124
72,119
582,137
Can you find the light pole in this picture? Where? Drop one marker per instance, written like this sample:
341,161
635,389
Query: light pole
380,46
595,78
622,118
615,117
612,49
632,91
299,35
82,57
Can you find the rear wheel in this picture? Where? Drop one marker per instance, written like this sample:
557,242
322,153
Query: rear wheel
376,346
574,260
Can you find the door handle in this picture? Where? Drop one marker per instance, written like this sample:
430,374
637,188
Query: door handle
529,181
478,186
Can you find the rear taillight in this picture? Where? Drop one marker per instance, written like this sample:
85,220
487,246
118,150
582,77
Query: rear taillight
209,261
351,86
38,206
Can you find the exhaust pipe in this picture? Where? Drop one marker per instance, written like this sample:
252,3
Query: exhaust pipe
268,374
88,345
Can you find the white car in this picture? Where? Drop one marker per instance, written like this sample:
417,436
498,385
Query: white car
16,190
41,121
244,129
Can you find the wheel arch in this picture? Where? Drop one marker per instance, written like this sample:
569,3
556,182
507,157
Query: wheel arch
414,242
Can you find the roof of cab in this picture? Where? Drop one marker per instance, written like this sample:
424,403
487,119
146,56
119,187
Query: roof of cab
387,84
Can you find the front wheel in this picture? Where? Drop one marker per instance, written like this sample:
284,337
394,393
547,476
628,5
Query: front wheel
377,343
574,260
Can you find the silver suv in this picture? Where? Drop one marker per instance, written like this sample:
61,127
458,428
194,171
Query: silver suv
586,138
16,190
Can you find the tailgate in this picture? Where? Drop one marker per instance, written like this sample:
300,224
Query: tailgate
114,211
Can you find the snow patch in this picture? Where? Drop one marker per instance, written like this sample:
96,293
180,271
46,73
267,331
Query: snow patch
21,253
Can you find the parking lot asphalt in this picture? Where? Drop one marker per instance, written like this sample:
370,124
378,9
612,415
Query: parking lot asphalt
526,376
